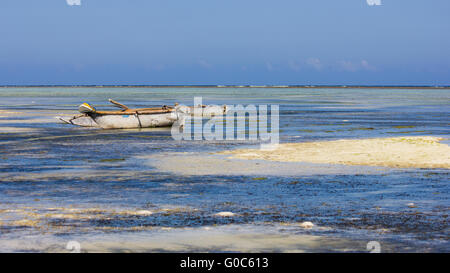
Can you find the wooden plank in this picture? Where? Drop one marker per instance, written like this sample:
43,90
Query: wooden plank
143,111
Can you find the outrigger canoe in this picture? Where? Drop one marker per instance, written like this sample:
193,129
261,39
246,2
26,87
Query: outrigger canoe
138,118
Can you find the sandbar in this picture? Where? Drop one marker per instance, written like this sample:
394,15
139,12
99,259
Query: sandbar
395,152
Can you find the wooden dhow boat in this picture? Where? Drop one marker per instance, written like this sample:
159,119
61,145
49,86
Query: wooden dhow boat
128,118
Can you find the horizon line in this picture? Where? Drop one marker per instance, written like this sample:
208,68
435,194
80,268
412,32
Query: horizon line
225,86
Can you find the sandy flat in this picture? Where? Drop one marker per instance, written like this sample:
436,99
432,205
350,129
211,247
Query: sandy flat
398,152
225,239
207,164
229,238
11,129
8,113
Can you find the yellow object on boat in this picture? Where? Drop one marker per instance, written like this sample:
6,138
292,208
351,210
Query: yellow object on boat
86,108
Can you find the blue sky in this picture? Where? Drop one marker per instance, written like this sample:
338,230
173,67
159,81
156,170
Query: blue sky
225,42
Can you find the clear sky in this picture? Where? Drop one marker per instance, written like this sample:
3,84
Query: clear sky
255,42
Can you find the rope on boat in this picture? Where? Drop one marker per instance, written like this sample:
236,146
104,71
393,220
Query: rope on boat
137,116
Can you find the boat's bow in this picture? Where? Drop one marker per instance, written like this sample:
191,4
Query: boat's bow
80,120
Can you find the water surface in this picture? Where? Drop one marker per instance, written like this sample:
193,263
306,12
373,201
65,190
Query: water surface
60,183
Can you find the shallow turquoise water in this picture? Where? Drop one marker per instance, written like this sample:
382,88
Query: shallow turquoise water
45,164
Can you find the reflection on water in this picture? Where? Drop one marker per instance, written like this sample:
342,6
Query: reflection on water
70,182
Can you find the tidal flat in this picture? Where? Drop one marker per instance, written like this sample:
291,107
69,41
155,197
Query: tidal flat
141,191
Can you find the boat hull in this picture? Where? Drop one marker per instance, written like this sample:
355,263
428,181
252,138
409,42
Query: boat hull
135,120
123,121
142,120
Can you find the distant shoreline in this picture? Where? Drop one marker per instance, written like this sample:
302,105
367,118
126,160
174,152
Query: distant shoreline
237,86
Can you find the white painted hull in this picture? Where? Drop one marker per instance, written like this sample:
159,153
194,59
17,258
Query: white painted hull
124,121
135,121
130,121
